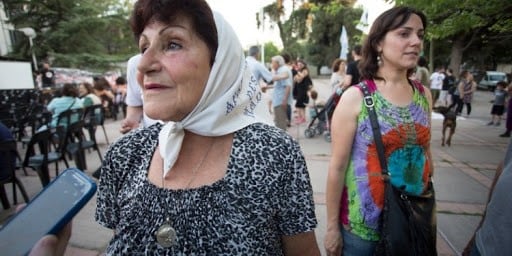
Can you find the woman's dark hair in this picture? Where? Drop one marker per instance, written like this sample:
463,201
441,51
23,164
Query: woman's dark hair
336,64
167,11
387,21
502,84
120,80
88,87
422,62
287,58
101,84
463,74
303,63
70,90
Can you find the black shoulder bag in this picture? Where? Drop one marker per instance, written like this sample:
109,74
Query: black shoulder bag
407,222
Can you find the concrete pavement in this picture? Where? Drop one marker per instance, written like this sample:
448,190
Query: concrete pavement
463,175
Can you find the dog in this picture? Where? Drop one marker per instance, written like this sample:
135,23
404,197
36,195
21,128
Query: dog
449,122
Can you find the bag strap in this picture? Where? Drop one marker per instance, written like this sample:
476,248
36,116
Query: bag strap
370,106
72,103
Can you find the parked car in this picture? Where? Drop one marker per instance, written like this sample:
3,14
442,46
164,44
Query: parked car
490,79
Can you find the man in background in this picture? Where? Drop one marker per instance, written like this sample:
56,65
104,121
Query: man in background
352,74
260,72
47,76
422,73
436,84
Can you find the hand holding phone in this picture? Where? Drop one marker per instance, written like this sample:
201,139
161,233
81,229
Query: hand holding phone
48,212
52,244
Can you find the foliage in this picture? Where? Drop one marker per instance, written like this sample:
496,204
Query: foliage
270,50
478,31
313,28
324,42
71,33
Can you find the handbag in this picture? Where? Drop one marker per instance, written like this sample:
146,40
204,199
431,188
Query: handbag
407,222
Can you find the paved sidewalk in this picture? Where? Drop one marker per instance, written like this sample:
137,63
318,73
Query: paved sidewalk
463,174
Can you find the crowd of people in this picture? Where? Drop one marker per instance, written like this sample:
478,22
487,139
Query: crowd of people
101,92
213,171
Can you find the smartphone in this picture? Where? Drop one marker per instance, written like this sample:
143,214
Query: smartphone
47,212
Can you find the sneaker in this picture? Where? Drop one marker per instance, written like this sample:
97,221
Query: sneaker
490,123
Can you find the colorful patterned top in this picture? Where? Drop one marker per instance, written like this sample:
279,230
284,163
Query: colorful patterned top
406,137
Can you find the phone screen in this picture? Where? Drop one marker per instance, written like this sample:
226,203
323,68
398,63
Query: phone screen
48,212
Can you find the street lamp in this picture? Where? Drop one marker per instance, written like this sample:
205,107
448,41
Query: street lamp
31,34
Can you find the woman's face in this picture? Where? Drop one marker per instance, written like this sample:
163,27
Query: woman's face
342,67
173,70
401,47
82,90
274,65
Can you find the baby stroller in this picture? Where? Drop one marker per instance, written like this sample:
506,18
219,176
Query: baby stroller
321,118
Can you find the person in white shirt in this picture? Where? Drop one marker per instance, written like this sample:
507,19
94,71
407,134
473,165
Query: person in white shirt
134,101
259,71
338,74
436,84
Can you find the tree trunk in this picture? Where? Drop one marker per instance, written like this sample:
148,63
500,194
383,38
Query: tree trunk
456,55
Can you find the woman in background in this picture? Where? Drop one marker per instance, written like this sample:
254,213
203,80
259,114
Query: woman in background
338,74
467,86
68,100
302,85
87,95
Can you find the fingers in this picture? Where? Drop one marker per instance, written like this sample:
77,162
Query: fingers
63,236
19,207
53,245
333,244
46,246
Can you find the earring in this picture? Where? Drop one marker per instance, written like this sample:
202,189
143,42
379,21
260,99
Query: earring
379,60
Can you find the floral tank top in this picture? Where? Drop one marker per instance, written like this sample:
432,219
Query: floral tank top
406,136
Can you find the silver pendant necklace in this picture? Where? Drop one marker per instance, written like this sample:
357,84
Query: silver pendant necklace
166,235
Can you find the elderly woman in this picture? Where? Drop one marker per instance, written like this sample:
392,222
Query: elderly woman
282,94
215,178
355,186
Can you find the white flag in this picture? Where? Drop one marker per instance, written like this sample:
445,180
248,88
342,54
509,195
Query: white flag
344,43
363,22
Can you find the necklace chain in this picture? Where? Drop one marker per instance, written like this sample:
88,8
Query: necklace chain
195,169
166,235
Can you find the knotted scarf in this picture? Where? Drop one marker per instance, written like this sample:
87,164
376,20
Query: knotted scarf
231,100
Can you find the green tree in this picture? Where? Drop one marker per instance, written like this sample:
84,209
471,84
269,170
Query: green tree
473,30
81,34
313,28
324,42
270,50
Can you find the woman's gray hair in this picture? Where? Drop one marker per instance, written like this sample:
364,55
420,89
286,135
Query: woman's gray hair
279,59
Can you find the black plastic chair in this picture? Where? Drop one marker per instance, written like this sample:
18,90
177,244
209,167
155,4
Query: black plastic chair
94,116
78,143
39,155
70,116
37,118
9,153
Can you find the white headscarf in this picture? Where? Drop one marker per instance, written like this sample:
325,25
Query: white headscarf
231,100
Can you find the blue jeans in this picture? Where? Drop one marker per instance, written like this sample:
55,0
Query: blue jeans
354,245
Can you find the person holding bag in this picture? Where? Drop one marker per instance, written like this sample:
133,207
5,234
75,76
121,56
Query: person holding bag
357,178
